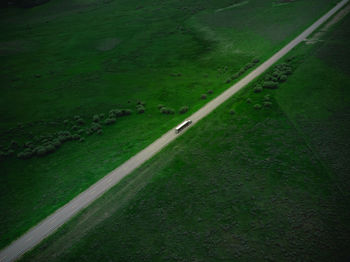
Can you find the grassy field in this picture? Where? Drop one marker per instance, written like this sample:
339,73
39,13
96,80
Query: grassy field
244,184
79,58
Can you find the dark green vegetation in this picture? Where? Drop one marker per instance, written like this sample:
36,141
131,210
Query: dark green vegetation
86,57
257,185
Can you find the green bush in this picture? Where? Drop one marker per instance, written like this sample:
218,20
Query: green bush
66,122
270,85
75,137
110,120
96,118
81,131
248,66
183,110
257,106
167,111
126,112
95,127
26,154
14,144
248,100
140,109
76,117
41,151
56,143
256,60
267,98
227,81
276,73
203,96
102,116
82,139
258,89
210,92
75,128
283,78
100,132
50,148
241,71
80,121
235,76
267,104
232,112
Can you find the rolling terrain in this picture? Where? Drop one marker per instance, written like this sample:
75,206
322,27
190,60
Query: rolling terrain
81,84
262,178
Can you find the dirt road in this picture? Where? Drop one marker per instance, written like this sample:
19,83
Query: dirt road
50,224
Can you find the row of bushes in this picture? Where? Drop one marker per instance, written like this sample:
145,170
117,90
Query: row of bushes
243,70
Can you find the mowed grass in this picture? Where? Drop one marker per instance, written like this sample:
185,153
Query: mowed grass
249,186
68,58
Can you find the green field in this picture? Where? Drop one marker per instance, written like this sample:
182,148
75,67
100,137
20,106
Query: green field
85,57
267,184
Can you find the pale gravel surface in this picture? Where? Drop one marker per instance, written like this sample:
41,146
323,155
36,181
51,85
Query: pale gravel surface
50,224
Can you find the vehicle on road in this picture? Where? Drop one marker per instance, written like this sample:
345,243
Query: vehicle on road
182,126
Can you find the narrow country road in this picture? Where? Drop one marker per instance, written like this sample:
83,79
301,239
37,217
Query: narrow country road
50,224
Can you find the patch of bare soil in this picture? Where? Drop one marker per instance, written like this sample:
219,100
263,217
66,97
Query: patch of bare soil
317,36
107,44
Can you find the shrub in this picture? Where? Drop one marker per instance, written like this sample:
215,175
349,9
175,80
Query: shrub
14,144
27,153
183,110
227,81
241,71
28,144
41,151
82,139
81,131
141,103
76,117
283,78
66,122
235,76
267,98
167,111
232,112
96,118
256,60
267,104
160,106
100,132
210,92
258,89
164,110
50,148
140,109
80,121
95,127
203,96
110,120
288,71
88,132
126,112
102,115
276,73
248,66
270,85
75,128
268,77
56,143
257,106
75,137
249,100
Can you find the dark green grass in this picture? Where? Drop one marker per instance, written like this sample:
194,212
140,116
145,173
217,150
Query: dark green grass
244,187
52,69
